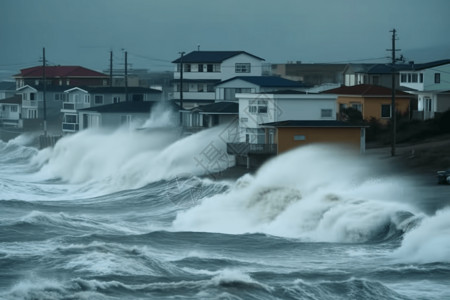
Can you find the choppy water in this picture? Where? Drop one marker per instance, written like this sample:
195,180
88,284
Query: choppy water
124,216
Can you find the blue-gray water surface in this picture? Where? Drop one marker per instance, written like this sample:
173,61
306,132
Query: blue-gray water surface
300,228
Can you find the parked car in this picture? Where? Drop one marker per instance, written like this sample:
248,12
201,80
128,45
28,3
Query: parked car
443,176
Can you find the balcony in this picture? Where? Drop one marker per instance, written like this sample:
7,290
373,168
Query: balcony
30,103
73,106
70,127
247,148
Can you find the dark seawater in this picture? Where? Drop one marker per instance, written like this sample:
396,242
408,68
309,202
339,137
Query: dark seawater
83,222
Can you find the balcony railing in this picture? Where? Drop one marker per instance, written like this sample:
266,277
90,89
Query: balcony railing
68,105
247,148
30,103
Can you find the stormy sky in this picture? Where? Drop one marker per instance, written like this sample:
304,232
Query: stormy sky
153,32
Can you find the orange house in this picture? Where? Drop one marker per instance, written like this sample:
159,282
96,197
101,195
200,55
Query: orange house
371,100
293,133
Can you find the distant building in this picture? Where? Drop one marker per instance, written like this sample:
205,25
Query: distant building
60,76
11,111
7,89
310,74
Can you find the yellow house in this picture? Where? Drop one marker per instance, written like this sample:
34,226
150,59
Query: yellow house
371,100
291,134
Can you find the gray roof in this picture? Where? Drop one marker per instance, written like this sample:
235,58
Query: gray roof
128,107
211,56
268,81
222,107
17,99
312,123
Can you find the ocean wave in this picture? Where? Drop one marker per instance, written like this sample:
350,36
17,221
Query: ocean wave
325,200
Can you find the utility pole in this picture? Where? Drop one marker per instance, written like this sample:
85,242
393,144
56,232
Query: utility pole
393,110
181,87
110,68
126,76
45,90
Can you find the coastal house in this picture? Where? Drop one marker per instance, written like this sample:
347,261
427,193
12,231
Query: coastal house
295,133
430,83
78,98
10,112
33,111
371,100
7,89
202,70
130,114
226,90
209,115
253,141
60,76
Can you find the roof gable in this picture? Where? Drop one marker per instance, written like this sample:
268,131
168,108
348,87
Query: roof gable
211,56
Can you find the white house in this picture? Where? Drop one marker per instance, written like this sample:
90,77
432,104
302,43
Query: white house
257,109
82,98
203,69
10,112
7,89
227,89
431,83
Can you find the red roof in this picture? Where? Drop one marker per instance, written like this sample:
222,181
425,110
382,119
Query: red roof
365,90
59,71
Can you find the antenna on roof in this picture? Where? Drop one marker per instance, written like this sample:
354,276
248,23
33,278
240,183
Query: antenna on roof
198,47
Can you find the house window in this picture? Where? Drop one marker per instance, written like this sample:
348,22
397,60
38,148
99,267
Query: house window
437,77
299,137
414,77
76,98
67,82
326,113
32,114
87,99
60,97
187,67
13,108
116,99
98,99
385,110
200,88
71,119
403,78
262,109
24,96
357,106
213,68
200,67
252,109
409,77
375,80
421,77
242,68
210,88
32,96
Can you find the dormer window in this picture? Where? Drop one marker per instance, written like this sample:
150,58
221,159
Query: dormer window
242,68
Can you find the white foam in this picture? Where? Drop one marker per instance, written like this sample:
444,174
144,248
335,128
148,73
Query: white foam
317,193
427,243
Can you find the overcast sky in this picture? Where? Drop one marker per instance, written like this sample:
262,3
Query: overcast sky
153,32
